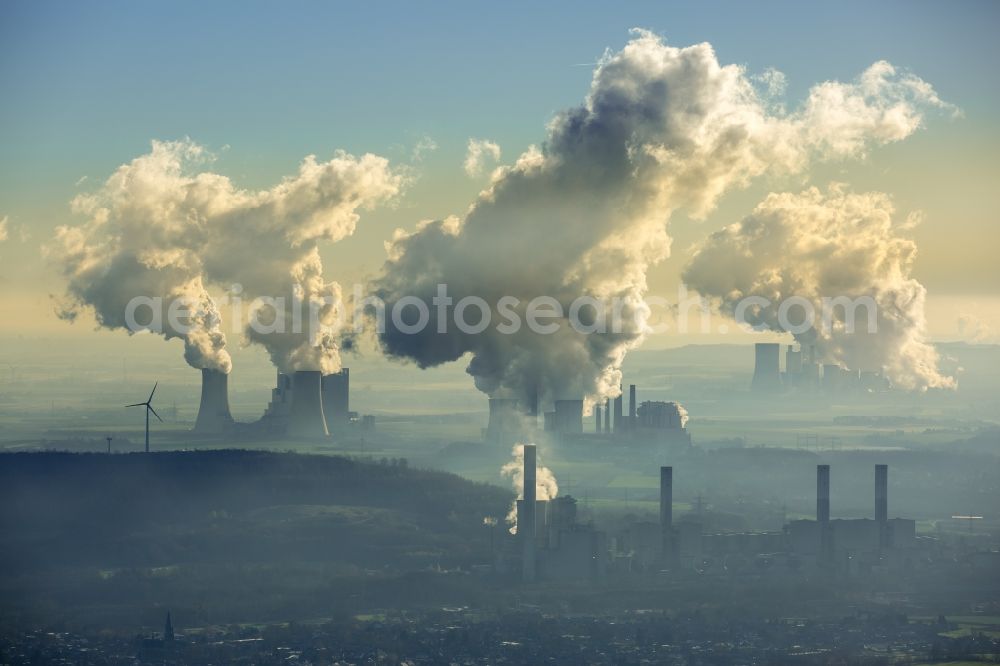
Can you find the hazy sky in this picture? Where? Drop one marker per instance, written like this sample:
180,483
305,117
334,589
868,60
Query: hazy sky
85,87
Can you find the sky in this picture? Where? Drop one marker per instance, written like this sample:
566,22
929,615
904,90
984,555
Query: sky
86,87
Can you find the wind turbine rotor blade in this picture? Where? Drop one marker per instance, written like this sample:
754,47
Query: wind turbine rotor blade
138,404
150,408
152,392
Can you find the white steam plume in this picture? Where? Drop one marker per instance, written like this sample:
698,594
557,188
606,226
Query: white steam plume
546,487
160,227
815,245
477,153
586,214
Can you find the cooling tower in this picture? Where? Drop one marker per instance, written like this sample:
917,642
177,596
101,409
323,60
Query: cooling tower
306,418
569,416
214,416
526,524
767,366
505,421
336,398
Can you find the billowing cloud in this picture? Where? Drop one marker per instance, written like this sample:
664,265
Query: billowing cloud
585,214
4,230
161,227
818,245
477,154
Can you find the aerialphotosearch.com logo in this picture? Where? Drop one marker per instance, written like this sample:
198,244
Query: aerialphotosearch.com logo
473,315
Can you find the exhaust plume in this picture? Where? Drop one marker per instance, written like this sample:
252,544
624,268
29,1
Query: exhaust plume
832,244
161,227
585,215
546,487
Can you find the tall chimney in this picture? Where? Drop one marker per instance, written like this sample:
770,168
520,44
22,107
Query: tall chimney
597,419
306,418
214,416
882,502
607,416
631,407
822,493
667,542
526,528
666,498
619,426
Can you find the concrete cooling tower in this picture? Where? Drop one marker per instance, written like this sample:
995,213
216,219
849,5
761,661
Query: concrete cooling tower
214,416
306,418
767,370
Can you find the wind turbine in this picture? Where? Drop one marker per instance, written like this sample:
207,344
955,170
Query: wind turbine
149,408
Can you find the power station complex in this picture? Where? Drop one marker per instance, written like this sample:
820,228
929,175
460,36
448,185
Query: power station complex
651,422
549,543
305,404
803,371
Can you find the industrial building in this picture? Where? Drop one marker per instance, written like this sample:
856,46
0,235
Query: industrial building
804,372
651,422
550,544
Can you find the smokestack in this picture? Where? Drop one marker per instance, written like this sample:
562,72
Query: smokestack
822,493
337,398
307,419
618,411
667,542
214,416
666,498
597,419
526,529
607,416
882,503
767,367
631,407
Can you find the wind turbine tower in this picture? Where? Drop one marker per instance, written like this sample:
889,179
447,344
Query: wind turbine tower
149,408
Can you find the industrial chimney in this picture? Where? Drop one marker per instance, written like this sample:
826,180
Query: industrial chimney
214,416
607,416
619,426
823,513
882,503
667,541
631,407
767,367
822,493
306,418
597,419
526,525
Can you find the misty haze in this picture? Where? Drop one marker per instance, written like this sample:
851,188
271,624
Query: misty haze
462,334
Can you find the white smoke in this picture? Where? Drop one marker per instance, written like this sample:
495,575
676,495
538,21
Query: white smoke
546,487
160,227
585,215
4,232
832,244
477,154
